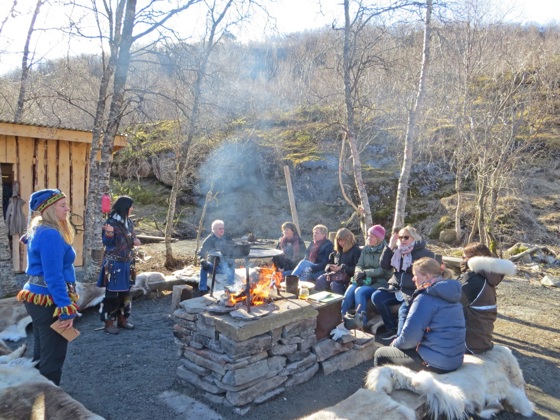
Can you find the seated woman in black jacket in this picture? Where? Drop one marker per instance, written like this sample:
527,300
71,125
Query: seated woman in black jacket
341,265
316,257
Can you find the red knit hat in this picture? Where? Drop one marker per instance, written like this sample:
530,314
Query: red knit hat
378,231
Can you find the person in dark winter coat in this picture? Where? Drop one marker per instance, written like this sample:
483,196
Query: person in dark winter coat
405,247
481,275
341,265
117,271
368,275
433,335
316,256
292,246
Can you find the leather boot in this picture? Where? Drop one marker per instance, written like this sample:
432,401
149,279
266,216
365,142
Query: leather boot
110,328
123,323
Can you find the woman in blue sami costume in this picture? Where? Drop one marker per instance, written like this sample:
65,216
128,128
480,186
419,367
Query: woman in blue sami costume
49,293
117,272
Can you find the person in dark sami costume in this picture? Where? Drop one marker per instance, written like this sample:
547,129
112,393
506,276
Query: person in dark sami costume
117,271
50,290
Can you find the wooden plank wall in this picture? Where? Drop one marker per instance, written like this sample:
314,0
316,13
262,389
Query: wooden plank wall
40,164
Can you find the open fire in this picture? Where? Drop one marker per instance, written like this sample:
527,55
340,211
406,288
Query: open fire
261,290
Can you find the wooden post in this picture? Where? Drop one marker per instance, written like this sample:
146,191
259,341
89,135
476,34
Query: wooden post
291,198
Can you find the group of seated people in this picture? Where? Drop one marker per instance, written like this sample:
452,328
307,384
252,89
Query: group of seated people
438,319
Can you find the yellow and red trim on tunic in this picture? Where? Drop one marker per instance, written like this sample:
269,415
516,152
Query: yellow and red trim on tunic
46,300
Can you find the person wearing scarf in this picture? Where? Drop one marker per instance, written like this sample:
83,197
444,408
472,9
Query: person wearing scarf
433,336
49,293
117,271
292,246
369,275
405,247
316,256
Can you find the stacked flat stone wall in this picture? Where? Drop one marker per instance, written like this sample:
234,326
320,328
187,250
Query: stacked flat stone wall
242,362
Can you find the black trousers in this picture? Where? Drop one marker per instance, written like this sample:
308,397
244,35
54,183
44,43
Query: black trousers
409,358
49,347
115,304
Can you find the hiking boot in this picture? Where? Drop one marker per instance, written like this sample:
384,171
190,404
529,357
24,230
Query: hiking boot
123,323
200,293
110,328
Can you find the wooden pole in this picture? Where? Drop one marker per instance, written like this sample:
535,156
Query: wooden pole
291,198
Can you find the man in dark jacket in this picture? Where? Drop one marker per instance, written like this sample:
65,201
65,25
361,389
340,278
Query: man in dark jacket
404,248
216,241
482,274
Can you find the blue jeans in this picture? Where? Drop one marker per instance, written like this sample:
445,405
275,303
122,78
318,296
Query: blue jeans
356,296
337,287
303,271
223,268
383,300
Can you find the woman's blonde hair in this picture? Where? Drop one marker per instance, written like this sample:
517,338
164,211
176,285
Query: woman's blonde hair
48,218
347,236
432,268
413,232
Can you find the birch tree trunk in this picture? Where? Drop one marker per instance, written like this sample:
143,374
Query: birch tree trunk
25,66
411,128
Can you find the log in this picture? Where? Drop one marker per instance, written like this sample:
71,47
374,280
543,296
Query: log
149,239
529,251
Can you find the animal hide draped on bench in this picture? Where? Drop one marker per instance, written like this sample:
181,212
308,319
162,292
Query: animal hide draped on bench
26,394
479,387
13,319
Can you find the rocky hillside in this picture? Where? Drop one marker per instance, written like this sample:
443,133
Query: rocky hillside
250,194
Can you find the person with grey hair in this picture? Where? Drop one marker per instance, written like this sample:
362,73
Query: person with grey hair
316,256
216,241
405,247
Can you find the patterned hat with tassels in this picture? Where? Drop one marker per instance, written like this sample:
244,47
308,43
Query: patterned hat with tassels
41,200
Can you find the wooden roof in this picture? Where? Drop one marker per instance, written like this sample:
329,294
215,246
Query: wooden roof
53,133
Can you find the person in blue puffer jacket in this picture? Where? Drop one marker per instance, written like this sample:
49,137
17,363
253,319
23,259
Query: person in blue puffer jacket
49,293
433,335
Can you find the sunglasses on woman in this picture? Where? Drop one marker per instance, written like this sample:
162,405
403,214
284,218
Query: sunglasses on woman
404,237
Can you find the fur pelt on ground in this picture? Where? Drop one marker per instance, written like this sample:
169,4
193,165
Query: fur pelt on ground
26,394
13,319
479,387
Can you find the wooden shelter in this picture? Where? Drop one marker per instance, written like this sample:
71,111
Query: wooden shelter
38,157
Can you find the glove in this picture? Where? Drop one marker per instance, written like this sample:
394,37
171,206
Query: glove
205,265
359,278
339,332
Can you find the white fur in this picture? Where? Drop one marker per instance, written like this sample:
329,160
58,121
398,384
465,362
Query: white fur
478,387
89,295
25,393
13,319
492,265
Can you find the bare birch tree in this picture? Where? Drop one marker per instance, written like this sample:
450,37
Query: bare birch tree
412,125
122,20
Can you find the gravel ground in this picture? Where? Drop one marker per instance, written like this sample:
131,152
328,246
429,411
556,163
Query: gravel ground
121,377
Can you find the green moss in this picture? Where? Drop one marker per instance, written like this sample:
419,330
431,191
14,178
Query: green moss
518,249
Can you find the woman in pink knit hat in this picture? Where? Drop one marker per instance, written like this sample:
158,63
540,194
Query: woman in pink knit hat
368,275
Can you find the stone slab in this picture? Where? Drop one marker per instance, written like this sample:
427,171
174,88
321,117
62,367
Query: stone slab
290,310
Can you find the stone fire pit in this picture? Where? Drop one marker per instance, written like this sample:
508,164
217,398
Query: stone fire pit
242,361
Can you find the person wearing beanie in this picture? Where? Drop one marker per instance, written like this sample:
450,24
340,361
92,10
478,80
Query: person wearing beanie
482,273
49,293
368,275
117,273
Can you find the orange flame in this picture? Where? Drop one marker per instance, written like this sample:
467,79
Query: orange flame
269,277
